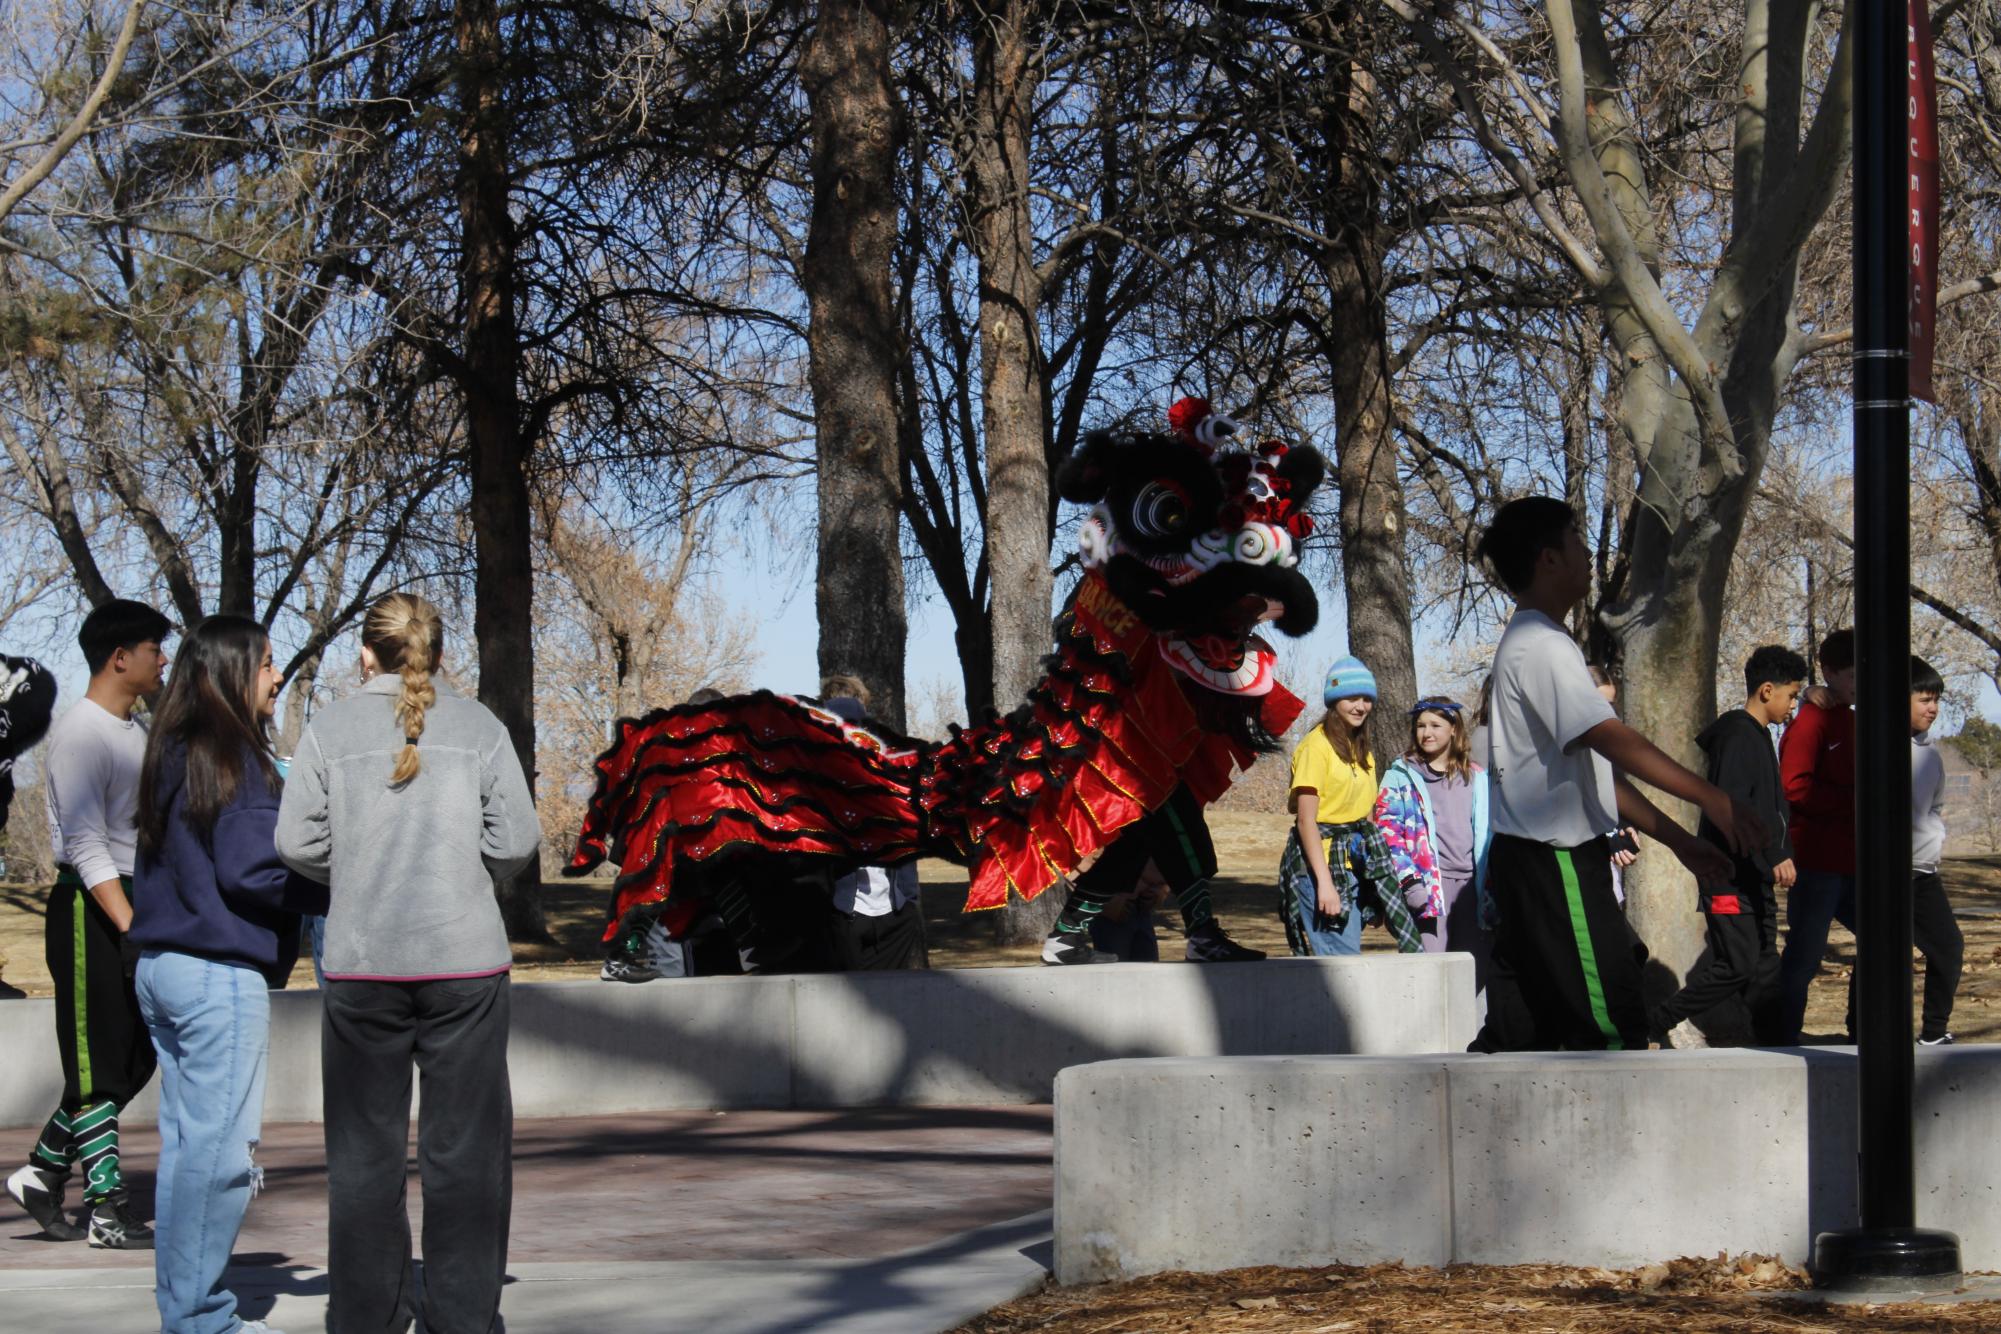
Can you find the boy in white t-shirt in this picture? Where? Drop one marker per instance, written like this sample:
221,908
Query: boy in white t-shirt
1557,762
91,786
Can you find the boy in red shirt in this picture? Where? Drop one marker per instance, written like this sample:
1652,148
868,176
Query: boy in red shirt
1817,769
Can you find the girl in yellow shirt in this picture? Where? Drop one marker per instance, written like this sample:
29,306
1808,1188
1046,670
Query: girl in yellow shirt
1335,854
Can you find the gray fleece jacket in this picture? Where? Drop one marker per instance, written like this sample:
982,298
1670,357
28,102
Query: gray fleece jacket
410,868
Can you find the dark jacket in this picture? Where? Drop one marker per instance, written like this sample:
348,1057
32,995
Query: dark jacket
227,897
1743,763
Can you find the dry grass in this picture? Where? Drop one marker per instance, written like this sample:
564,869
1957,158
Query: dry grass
1742,1296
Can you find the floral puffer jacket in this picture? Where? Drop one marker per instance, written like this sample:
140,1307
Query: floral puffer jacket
1403,813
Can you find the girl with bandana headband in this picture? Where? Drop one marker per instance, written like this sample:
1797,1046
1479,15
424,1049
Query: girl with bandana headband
1432,810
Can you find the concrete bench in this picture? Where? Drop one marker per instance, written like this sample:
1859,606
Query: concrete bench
1611,1159
953,1036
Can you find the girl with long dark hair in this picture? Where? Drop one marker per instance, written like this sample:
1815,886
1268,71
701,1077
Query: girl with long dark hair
216,917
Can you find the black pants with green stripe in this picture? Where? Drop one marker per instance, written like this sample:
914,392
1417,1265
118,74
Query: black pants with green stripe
106,1054
1566,963
1175,838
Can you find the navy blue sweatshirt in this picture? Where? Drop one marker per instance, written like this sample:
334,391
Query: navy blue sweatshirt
227,897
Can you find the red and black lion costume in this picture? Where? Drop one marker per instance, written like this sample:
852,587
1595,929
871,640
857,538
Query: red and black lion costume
1158,689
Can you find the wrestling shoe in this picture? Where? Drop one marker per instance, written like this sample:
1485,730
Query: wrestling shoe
114,1227
40,1192
1942,1040
1073,947
625,970
1208,943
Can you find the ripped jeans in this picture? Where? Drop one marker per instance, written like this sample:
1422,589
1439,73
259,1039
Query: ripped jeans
211,1024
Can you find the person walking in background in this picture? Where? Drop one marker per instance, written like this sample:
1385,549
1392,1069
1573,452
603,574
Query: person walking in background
216,919
407,800
1742,914
1560,761
1817,767
1933,930
1434,816
1336,867
1625,846
91,776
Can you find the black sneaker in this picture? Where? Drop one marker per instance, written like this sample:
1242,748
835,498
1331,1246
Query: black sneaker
1209,943
114,1227
40,1192
624,970
8,991
1073,947
1942,1040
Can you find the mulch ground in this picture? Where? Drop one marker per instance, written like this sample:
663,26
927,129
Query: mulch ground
1739,1295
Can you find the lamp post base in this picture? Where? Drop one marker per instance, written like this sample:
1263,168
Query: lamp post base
1887,1259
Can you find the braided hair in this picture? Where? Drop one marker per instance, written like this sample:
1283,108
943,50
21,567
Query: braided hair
407,636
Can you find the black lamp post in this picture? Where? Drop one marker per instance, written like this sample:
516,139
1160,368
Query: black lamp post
1889,1251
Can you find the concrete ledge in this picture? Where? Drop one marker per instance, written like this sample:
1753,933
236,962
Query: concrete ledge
954,1036
1206,1164
1611,1159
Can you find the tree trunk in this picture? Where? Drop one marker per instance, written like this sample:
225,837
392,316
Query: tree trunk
854,349
1375,569
503,577
298,692
1012,415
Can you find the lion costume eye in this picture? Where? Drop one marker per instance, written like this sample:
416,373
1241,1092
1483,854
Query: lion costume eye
1160,510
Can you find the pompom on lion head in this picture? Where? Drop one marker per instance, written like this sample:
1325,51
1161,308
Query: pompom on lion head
1200,540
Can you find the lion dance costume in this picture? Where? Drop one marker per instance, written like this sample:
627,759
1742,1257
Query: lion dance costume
1158,691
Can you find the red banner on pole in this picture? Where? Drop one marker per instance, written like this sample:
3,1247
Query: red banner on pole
1921,159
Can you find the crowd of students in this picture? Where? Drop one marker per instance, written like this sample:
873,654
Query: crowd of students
190,855
1502,835
187,862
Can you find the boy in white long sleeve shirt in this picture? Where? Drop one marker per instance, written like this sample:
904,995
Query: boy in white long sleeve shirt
1933,929
92,779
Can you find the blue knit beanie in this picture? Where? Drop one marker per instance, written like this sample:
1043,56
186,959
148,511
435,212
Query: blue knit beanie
1346,679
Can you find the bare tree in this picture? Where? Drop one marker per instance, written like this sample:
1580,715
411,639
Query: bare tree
855,345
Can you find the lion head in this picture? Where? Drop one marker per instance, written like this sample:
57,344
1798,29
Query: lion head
1201,541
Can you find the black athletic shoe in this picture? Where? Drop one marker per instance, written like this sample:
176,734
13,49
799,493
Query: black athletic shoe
40,1192
1073,947
1942,1040
625,970
1209,943
8,991
114,1227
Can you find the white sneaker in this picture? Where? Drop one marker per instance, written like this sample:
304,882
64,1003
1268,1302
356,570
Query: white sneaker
256,1327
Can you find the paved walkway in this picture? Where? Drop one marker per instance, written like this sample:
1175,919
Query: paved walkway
892,1220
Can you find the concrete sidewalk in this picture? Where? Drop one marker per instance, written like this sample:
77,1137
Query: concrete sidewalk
891,1220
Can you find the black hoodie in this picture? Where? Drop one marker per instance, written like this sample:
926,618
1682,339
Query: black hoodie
1743,762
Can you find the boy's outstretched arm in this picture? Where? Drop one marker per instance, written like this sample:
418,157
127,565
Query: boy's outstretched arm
1635,756
1704,860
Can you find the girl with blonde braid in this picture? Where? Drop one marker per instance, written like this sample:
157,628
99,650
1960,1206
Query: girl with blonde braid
407,799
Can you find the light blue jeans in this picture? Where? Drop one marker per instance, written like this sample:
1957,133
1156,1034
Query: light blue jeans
211,1023
1322,932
